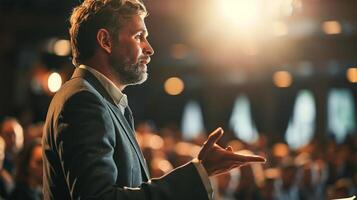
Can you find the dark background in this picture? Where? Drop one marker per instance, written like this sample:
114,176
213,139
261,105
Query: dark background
212,77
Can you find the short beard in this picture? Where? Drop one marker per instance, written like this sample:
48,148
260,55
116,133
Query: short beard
130,74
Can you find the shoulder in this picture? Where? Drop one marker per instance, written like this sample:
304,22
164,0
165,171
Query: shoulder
76,92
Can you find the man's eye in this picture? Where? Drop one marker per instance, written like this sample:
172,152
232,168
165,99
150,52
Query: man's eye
139,36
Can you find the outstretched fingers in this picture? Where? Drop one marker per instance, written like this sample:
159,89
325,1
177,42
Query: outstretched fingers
229,148
214,137
211,141
246,158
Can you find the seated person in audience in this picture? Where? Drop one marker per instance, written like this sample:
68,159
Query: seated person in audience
12,132
5,177
29,173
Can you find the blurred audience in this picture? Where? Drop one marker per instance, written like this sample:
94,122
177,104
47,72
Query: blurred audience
321,170
13,134
28,177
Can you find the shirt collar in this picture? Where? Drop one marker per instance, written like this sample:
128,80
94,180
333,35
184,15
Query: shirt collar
119,98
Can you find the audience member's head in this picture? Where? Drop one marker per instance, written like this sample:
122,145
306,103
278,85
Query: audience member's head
33,131
13,135
29,165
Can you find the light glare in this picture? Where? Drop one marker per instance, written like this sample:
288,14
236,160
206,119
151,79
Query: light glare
62,47
352,75
280,28
54,82
242,13
331,27
174,86
282,79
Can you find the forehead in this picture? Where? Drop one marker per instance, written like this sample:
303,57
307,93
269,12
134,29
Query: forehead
135,24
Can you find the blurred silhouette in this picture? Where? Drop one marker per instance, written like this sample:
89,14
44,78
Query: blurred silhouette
29,173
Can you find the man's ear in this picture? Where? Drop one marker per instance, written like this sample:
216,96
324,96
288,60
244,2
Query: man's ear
104,40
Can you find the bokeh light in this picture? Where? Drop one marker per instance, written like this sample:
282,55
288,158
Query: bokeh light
282,79
352,75
54,82
174,86
331,27
62,48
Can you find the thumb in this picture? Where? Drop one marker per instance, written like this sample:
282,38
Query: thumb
229,148
212,139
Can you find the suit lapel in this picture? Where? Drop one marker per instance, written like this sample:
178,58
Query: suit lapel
129,132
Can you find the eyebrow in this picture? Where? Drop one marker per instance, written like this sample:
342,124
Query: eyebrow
146,33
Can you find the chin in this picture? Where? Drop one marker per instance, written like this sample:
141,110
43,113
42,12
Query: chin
141,79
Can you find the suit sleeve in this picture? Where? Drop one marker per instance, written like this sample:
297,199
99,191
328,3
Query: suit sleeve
85,144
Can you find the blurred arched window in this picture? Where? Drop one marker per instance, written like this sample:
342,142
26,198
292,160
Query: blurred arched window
241,120
340,113
301,126
192,121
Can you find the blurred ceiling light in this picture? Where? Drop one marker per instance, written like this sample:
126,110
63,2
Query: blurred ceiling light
352,75
179,51
282,79
62,48
54,82
280,28
242,13
174,86
331,27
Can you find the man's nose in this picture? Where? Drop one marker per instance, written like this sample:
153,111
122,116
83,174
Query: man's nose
148,50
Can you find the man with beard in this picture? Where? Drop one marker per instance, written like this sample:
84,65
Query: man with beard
90,151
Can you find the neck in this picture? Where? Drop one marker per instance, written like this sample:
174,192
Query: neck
104,68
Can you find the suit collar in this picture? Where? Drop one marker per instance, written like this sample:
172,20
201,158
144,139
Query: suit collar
88,76
113,90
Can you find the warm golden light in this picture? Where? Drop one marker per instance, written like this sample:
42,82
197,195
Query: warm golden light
242,13
62,47
331,27
174,86
282,79
280,28
280,150
179,51
352,75
54,82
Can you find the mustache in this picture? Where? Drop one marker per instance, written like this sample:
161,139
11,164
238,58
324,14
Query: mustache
144,59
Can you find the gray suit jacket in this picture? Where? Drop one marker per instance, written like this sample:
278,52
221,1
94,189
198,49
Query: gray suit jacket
90,151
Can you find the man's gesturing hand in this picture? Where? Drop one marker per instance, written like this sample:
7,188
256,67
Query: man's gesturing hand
217,160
